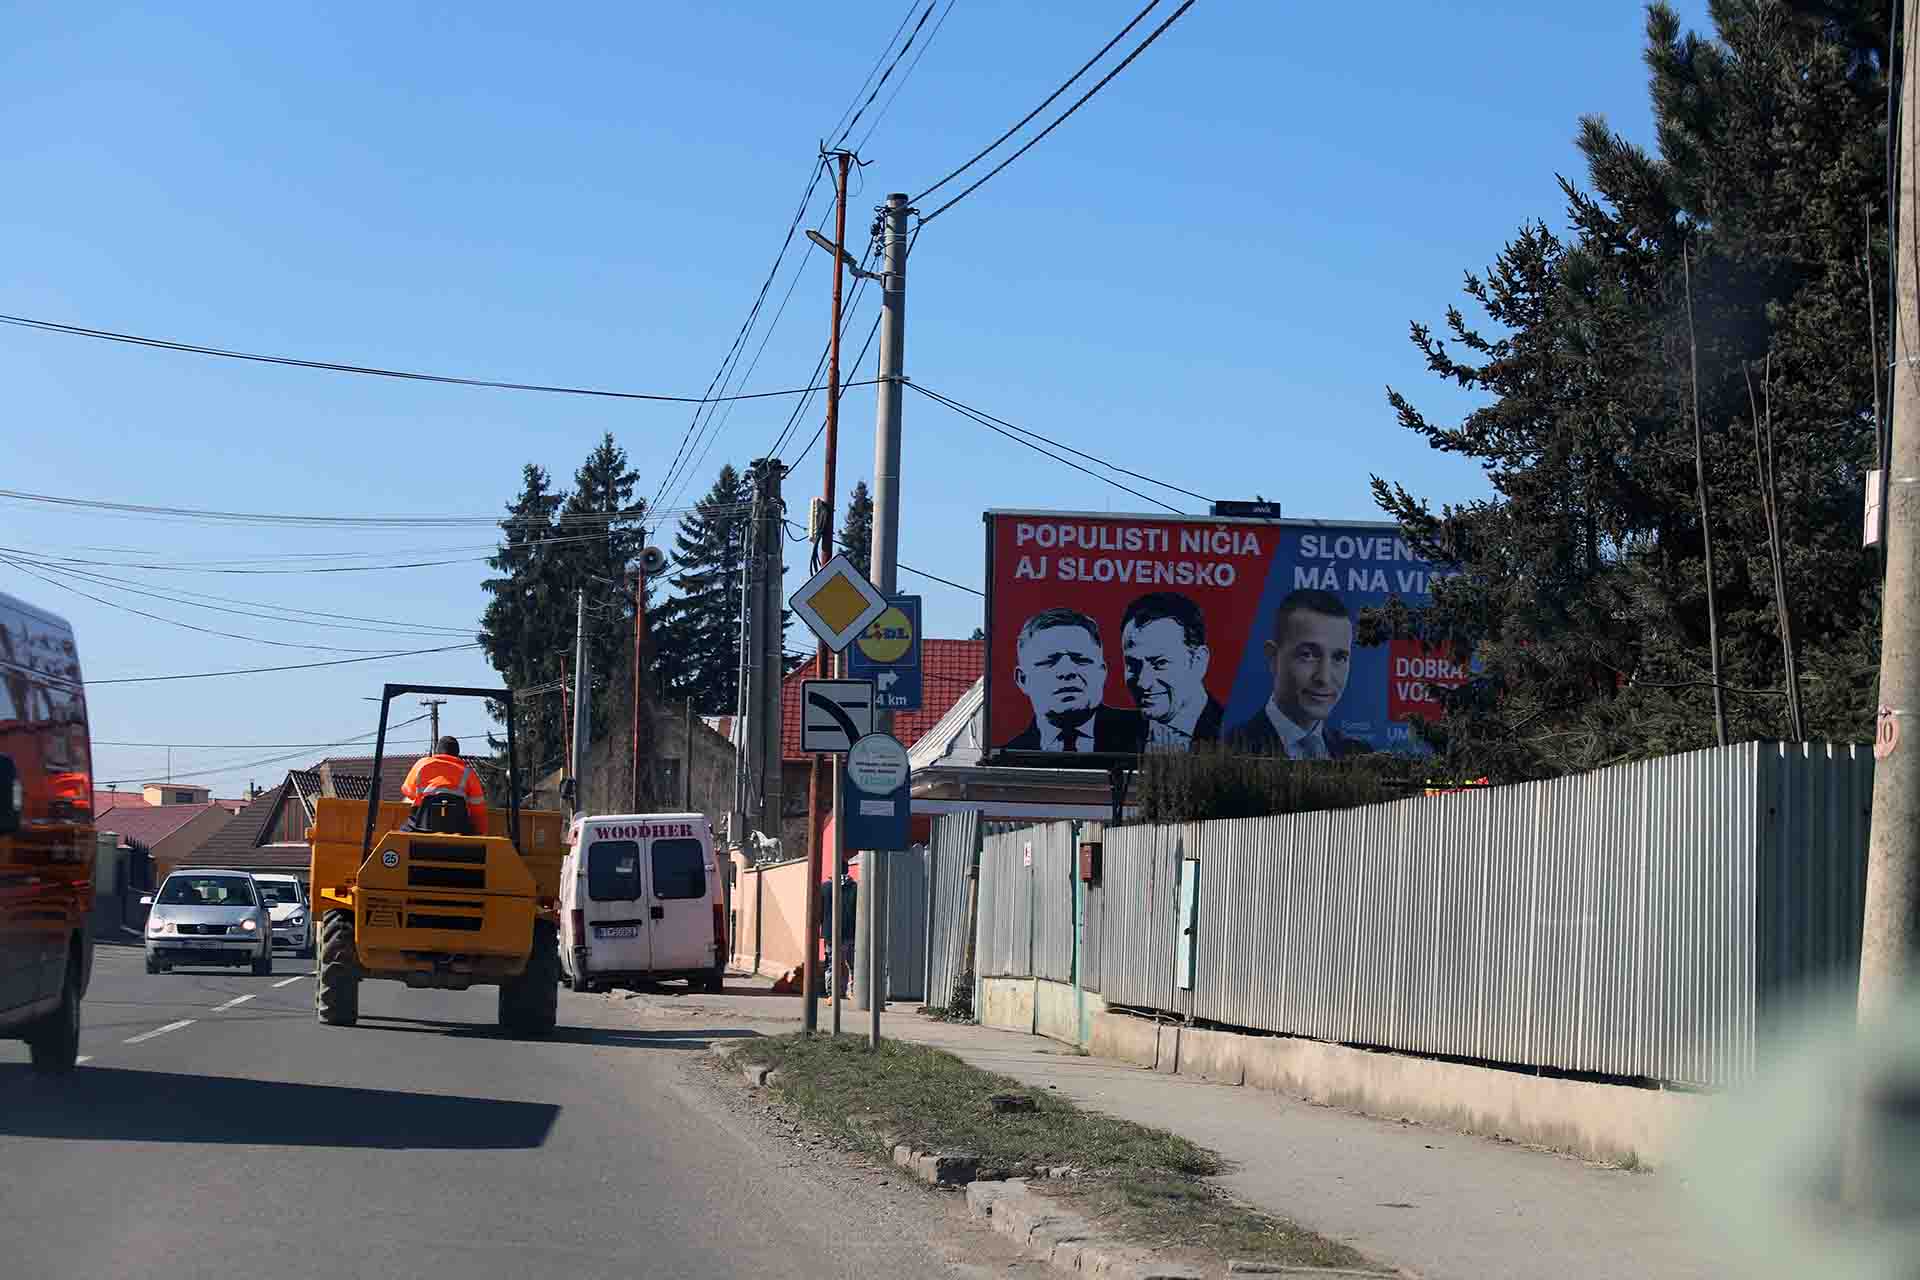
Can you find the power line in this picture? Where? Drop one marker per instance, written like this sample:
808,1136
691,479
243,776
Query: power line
798,536
1044,104
965,412
318,619
194,348
298,666
905,76
1063,116
905,18
728,361
674,471
826,348
294,520
237,765
924,15
175,622
952,403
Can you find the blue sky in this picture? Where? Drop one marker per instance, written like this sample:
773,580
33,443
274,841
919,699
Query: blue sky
1205,275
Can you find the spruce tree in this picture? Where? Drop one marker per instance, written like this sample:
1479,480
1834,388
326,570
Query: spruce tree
529,620
600,524
856,531
698,639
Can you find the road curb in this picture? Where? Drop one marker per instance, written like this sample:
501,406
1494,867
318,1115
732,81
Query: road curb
1066,1241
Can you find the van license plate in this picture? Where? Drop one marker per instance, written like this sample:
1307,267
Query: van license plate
616,931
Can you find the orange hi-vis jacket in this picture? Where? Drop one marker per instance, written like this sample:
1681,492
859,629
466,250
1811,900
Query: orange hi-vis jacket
453,776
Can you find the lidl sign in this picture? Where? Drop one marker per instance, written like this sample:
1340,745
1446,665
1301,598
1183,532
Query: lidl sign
888,653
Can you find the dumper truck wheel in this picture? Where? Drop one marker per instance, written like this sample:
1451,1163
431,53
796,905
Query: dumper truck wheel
336,995
530,1003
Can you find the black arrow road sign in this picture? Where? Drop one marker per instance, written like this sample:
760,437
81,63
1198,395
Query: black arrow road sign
835,714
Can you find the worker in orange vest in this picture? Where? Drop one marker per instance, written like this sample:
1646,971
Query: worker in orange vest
445,773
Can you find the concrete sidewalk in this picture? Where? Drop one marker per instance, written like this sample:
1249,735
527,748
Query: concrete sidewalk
1441,1205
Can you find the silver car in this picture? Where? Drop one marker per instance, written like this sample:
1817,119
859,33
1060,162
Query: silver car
286,900
209,916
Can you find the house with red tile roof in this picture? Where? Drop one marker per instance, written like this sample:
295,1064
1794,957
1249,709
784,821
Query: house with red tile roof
171,834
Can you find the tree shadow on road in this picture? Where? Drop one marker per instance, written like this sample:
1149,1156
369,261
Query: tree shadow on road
112,1104
613,1037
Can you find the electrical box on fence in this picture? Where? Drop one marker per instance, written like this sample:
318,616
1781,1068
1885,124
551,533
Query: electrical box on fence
1090,861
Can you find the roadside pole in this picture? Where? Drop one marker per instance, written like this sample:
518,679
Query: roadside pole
582,700
824,666
1893,850
886,547
639,642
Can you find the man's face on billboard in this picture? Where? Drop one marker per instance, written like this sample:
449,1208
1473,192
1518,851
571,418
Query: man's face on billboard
1310,663
1062,670
1164,673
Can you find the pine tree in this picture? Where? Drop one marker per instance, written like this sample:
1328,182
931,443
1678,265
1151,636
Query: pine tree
1583,591
529,620
856,531
601,522
698,639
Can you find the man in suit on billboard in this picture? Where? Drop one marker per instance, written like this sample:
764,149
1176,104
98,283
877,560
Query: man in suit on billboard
1061,668
1163,649
1310,655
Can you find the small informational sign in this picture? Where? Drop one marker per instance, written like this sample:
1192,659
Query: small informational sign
834,714
874,793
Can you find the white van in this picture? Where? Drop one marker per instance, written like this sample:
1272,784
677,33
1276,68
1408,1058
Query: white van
641,899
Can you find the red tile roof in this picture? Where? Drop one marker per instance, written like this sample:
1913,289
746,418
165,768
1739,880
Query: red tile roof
148,824
949,668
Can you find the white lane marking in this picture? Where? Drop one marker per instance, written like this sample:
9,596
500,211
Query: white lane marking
287,982
85,1057
159,1031
229,1004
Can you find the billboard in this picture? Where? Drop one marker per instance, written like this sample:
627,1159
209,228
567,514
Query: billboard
1109,635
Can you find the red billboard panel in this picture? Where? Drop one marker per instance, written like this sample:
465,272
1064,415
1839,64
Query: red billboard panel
1108,635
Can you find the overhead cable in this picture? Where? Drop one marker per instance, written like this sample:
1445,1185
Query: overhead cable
989,424
950,402
194,348
1022,122
298,666
1062,117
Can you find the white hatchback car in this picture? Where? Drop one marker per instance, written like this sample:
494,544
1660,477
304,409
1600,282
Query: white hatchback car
286,900
209,917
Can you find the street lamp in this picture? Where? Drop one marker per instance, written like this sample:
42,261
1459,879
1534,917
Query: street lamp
846,259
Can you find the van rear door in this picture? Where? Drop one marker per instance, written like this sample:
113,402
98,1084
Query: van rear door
679,867
619,933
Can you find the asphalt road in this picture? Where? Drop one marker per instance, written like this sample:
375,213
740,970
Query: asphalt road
216,1129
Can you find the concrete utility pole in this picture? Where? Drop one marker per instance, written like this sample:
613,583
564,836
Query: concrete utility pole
582,700
639,666
1893,851
824,664
686,765
773,655
433,706
886,548
746,700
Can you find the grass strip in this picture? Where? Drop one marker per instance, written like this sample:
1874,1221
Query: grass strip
1141,1184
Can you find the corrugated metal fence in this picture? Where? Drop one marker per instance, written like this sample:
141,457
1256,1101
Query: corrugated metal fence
1632,922
907,924
956,840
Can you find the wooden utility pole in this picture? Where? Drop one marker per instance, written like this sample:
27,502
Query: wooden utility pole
823,657
1893,850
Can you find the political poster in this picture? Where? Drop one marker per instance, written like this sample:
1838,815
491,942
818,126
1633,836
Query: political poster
1112,635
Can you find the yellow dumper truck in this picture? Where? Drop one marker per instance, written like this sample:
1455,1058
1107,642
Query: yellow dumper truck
406,896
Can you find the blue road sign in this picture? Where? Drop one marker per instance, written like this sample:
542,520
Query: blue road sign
888,653
874,794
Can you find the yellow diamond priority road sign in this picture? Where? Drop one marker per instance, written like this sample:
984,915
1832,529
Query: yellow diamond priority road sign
838,603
